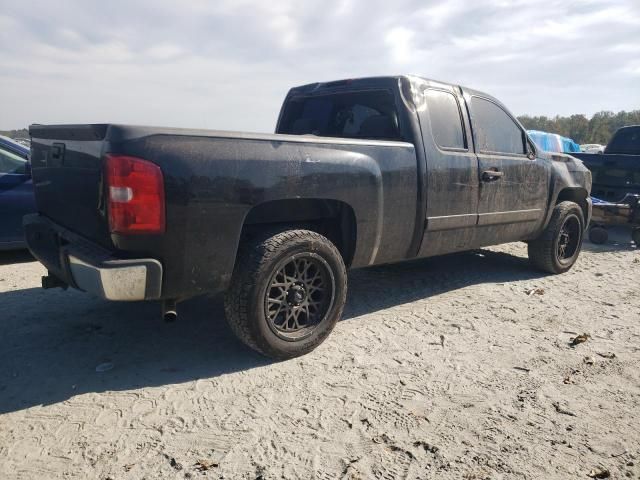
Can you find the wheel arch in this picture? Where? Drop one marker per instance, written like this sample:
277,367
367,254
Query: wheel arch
334,219
577,195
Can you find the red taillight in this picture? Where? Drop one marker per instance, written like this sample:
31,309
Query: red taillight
135,195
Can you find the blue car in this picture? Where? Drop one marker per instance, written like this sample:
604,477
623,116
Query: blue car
16,193
552,142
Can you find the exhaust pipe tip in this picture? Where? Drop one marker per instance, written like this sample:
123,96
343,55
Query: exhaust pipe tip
170,316
169,311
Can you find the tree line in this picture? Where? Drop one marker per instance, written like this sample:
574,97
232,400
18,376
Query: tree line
597,129
22,133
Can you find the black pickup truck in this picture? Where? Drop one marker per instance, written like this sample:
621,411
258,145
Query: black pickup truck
616,172
360,172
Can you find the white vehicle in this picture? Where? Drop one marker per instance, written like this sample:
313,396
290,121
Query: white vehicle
592,148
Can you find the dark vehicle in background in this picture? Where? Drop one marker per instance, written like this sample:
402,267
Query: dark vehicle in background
360,172
16,193
616,172
15,146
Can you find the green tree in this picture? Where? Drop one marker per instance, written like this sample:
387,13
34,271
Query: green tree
597,129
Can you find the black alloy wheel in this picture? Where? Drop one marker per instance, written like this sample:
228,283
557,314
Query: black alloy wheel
287,292
299,296
569,239
558,246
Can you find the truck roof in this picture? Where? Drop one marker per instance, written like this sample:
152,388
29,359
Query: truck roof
320,88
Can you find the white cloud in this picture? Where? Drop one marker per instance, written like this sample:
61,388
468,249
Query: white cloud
399,41
441,14
284,30
228,64
165,52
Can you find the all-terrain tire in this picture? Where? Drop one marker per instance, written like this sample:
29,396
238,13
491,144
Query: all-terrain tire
260,258
544,250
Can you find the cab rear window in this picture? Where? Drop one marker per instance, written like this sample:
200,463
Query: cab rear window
363,115
626,141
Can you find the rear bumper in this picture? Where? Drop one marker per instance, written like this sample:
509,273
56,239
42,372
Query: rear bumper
12,245
90,267
119,280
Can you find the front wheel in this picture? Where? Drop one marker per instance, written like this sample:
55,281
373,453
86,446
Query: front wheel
557,248
287,292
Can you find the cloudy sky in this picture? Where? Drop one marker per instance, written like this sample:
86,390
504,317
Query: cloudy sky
227,64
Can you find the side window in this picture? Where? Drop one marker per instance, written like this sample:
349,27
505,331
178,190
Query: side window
495,130
444,116
11,163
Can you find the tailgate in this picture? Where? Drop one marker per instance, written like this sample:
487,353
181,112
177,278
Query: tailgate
67,177
613,175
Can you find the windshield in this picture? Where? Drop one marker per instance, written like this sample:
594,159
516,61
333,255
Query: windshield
366,115
14,146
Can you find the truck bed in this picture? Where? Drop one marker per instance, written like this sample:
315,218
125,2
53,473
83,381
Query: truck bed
213,180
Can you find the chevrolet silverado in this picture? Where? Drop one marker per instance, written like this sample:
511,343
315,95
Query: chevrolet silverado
359,172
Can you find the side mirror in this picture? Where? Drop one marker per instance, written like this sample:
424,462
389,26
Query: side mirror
531,152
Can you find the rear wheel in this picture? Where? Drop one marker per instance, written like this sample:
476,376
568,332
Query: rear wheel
635,236
557,248
287,292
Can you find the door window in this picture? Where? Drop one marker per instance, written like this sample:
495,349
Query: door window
12,163
495,131
445,119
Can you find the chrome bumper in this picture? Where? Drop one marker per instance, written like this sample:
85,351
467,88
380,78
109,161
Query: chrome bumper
73,260
118,280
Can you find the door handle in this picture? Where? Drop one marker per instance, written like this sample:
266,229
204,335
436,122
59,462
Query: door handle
492,175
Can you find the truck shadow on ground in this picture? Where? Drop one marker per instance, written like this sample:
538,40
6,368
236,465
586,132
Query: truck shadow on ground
15,257
52,341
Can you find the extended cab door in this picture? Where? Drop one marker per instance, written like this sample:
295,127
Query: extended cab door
452,170
514,184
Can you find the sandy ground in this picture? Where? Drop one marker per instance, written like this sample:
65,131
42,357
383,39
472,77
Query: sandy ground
442,368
